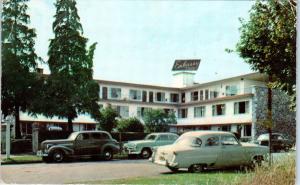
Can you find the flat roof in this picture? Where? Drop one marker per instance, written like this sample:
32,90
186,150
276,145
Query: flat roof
256,76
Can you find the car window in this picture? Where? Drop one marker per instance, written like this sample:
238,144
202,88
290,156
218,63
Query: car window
150,137
163,138
172,137
96,136
84,136
229,140
212,141
197,141
104,136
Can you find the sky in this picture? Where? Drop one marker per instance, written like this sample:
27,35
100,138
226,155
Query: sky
138,41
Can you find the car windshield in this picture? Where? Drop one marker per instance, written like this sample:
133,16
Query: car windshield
150,137
72,136
185,140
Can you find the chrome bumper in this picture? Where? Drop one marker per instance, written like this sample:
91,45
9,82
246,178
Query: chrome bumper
41,154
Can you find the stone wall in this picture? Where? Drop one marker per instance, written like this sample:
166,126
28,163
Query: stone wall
284,120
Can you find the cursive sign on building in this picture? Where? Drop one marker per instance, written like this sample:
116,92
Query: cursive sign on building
186,65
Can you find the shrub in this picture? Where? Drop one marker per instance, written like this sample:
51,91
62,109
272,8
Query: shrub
107,120
130,125
157,120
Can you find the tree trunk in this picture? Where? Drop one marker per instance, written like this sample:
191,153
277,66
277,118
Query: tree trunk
17,122
270,119
70,124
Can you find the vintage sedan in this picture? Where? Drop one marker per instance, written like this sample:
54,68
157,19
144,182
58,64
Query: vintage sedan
80,144
200,150
143,148
279,142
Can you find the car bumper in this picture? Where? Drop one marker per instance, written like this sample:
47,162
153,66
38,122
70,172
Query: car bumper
41,154
131,151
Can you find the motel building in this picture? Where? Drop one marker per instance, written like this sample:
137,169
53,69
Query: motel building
229,104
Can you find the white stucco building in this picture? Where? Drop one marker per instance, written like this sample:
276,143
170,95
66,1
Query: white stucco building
225,104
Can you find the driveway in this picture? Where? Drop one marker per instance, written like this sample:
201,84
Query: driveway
42,173
78,171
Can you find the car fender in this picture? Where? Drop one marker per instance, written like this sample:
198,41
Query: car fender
111,146
67,150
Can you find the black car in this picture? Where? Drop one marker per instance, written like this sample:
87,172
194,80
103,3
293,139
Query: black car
279,141
80,144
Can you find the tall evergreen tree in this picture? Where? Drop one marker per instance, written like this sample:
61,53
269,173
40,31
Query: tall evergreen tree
18,60
70,85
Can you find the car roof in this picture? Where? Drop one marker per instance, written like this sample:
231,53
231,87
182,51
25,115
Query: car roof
91,131
159,133
206,132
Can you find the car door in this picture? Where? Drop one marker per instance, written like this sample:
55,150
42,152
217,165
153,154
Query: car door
97,142
232,152
83,144
209,152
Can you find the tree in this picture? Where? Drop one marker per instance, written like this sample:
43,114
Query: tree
130,125
19,60
107,120
70,85
157,120
268,43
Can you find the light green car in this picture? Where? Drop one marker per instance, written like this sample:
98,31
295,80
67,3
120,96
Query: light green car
144,148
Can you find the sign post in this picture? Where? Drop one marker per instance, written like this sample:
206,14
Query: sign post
7,150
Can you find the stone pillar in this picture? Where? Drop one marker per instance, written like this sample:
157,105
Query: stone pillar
35,137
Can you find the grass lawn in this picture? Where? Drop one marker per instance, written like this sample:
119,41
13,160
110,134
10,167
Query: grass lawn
21,159
182,177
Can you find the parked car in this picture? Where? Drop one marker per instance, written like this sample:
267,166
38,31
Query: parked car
78,144
199,150
144,148
279,141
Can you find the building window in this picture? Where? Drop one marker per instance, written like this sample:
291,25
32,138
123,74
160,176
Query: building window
247,130
104,93
214,94
206,94
201,95
174,97
218,110
141,111
182,97
241,107
135,94
231,90
226,128
182,113
123,111
194,96
199,111
144,96
115,93
160,96
150,96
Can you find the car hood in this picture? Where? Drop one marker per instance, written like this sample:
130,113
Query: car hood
137,142
57,141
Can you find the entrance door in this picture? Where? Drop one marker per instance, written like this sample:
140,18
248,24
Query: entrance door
104,93
144,96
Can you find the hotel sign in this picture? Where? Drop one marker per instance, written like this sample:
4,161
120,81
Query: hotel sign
186,65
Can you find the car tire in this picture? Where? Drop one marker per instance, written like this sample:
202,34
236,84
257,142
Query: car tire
58,156
108,154
146,153
196,168
174,170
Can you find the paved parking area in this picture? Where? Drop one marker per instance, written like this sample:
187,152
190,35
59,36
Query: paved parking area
41,173
78,171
